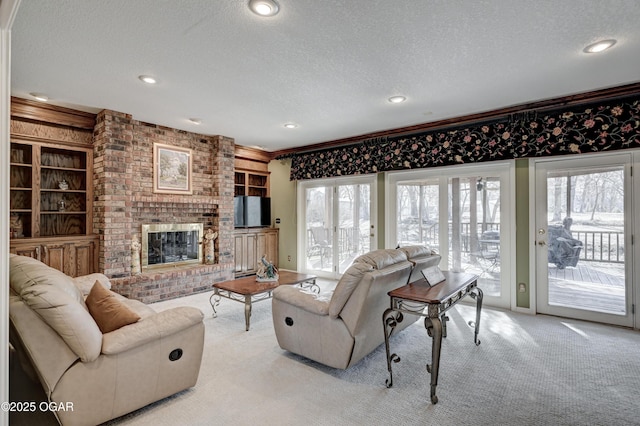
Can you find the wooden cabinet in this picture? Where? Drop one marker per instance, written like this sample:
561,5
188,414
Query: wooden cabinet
250,244
50,193
51,186
251,171
50,205
75,256
251,183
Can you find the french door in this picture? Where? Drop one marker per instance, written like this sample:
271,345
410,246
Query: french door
583,221
338,223
464,214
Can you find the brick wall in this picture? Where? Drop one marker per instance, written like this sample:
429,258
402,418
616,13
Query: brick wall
124,200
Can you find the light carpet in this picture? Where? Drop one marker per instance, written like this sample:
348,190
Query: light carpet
529,370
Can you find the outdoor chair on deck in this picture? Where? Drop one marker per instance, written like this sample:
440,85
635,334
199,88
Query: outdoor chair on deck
564,250
488,254
320,243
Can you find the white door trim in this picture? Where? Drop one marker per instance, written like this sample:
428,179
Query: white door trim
613,158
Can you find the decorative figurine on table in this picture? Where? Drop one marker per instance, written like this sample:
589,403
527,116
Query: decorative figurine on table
135,255
209,246
266,271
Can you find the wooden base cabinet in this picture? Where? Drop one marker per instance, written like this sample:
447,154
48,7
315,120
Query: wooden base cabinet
250,245
74,256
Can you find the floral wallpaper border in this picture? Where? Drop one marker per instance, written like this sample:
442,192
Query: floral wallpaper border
598,127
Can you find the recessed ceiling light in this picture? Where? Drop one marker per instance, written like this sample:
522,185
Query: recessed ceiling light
397,99
599,46
195,120
40,97
290,125
147,79
264,7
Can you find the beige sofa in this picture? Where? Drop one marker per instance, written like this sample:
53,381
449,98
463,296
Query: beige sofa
340,328
102,376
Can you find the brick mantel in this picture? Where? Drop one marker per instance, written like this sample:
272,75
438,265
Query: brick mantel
124,200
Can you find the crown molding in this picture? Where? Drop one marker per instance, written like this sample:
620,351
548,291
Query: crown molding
544,105
252,154
40,111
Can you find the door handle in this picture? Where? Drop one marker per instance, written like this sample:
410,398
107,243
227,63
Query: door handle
542,243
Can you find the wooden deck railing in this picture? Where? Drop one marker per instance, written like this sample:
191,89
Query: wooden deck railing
601,246
597,246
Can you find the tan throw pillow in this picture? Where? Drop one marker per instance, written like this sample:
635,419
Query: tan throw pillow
107,311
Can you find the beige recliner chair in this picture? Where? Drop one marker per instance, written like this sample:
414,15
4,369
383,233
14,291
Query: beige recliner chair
106,375
341,328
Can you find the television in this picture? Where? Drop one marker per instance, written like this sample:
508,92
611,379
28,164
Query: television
238,211
252,211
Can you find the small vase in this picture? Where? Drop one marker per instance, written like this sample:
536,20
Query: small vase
63,185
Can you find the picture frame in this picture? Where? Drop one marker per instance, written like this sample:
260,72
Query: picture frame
433,275
172,169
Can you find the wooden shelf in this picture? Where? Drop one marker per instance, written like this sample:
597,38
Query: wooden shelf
248,182
63,191
36,172
62,212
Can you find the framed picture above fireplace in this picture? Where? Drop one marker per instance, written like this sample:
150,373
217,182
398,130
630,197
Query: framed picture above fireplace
171,169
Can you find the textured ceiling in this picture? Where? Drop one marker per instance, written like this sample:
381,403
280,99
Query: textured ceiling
328,66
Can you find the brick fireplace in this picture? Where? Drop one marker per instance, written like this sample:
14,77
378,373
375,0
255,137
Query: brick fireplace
124,200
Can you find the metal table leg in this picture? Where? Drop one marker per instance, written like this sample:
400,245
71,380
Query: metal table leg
390,320
214,301
434,329
310,285
477,294
247,311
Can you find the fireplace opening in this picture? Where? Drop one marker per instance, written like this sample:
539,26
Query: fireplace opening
171,244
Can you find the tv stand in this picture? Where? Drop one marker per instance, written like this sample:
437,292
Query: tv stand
250,244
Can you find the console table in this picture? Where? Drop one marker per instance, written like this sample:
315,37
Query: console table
413,298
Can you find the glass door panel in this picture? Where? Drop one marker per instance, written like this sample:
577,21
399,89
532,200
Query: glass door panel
338,223
464,215
580,229
474,229
418,210
319,228
354,223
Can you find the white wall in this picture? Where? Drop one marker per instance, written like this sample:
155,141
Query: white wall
8,10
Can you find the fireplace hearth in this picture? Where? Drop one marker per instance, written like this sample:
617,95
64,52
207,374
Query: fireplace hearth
171,244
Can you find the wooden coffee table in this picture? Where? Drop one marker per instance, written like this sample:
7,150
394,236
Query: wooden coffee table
248,290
